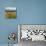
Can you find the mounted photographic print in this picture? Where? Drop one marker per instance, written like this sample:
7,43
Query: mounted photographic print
32,32
10,12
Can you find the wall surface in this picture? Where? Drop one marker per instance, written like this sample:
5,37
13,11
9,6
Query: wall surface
28,12
6,25
32,11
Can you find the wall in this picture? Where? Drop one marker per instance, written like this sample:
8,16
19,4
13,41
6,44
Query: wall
28,12
32,11
7,25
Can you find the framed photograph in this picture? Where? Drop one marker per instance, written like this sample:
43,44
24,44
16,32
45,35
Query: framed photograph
32,32
10,12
